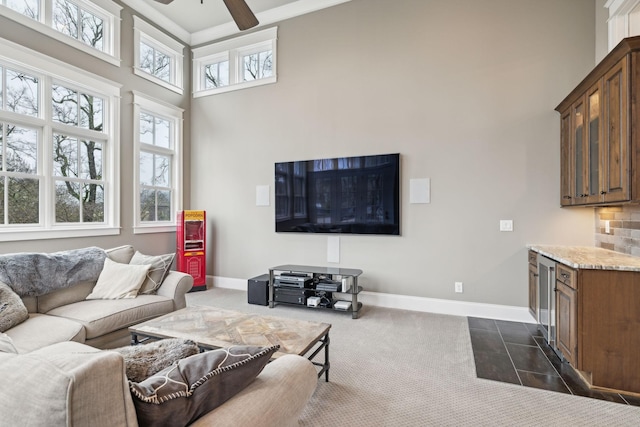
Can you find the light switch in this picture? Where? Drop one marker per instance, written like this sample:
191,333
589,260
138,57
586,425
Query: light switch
506,225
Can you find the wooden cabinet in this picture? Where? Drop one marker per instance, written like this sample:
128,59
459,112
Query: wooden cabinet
566,313
598,144
597,324
533,284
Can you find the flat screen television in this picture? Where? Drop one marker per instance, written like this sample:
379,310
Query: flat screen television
344,195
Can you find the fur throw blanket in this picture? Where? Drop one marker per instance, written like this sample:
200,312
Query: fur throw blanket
35,274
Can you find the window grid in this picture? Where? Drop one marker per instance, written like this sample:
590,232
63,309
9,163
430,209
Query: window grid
39,188
158,146
92,26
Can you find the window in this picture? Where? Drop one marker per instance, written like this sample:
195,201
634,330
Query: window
58,145
92,26
239,63
157,57
158,175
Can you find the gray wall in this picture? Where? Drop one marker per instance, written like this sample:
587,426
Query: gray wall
148,243
463,89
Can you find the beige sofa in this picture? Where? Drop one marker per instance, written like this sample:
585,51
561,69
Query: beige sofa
72,384
65,315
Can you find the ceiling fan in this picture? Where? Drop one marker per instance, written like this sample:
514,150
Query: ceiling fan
240,12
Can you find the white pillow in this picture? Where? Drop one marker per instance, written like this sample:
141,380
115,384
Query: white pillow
118,281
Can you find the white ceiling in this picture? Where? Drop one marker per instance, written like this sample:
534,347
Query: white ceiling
201,21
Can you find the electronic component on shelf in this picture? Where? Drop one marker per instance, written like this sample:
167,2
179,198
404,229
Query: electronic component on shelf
342,305
292,281
313,301
329,286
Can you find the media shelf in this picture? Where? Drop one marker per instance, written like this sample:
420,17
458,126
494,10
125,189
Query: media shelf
296,284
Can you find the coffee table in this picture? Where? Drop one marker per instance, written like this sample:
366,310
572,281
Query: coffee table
212,327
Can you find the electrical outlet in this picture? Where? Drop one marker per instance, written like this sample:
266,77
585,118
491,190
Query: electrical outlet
607,227
458,287
506,225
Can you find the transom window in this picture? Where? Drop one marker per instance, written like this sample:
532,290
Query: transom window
157,57
158,147
242,62
57,168
92,26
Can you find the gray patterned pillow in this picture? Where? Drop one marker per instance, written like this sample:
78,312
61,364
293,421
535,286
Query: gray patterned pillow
182,393
12,309
160,265
142,361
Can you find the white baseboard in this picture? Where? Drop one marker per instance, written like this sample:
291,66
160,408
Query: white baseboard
404,302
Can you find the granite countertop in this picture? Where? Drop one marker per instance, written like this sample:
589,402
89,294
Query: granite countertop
587,257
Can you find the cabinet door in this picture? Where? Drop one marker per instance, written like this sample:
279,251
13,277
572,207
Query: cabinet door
566,166
566,322
593,142
579,154
533,291
615,144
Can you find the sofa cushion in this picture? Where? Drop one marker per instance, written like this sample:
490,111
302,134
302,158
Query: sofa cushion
41,330
159,267
100,317
118,281
75,293
6,344
121,254
65,384
182,393
12,309
144,360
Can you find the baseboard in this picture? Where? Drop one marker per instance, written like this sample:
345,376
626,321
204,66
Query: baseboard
404,302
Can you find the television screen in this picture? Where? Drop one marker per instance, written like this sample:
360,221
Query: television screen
352,195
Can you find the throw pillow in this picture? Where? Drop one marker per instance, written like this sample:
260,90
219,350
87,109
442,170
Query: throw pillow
6,344
182,393
118,281
12,309
142,361
159,267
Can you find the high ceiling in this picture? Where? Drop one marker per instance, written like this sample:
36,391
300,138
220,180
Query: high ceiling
200,21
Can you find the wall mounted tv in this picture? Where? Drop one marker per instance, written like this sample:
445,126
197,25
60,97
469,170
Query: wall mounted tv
344,195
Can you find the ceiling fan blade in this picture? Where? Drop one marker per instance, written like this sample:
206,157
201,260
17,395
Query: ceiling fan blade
241,13
164,1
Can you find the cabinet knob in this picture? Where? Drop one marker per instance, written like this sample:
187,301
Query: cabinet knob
603,192
566,197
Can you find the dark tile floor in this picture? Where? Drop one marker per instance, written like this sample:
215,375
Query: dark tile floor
517,353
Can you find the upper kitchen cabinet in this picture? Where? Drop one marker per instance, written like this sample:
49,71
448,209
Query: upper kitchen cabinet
599,144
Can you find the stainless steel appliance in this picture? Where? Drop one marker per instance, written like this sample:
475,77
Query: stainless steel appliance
547,299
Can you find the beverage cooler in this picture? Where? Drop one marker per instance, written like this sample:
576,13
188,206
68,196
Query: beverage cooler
191,247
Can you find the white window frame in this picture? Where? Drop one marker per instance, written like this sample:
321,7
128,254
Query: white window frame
234,49
50,70
145,104
145,32
107,10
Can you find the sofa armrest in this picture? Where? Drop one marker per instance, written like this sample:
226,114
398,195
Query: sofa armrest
66,384
175,286
275,398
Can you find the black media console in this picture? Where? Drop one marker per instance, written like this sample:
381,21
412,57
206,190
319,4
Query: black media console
316,287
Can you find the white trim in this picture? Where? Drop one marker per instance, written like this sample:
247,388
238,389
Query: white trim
49,70
110,13
268,17
234,49
412,303
160,19
176,116
11,236
143,31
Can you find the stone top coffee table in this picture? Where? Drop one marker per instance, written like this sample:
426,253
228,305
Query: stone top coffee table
212,328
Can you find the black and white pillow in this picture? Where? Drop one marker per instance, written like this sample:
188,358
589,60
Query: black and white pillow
182,393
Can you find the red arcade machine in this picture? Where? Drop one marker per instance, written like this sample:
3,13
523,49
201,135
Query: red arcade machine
190,242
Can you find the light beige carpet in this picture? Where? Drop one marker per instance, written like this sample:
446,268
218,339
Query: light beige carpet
403,368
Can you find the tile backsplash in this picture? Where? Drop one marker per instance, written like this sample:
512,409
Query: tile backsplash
624,229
